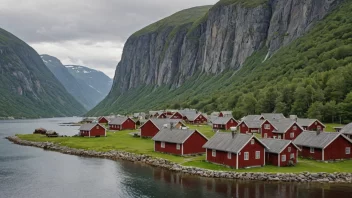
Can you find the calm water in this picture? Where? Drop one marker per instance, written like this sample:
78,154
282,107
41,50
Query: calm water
31,172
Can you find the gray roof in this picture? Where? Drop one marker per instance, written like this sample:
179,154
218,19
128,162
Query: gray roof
252,118
273,116
312,139
275,145
222,120
227,112
282,125
185,111
347,129
254,123
190,115
223,141
177,136
305,121
118,120
161,122
88,127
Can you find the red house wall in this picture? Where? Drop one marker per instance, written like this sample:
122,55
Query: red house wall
194,144
271,158
221,158
114,127
306,153
287,153
177,115
221,115
269,131
219,126
128,124
297,132
169,148
233,124
200,120
103,120
97,131
149,129
313,127
162,116
243,128
252,149
336,150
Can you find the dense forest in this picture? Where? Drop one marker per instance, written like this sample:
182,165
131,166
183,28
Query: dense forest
311,77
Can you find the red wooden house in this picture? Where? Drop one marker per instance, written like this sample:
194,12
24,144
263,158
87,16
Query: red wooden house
236,150
177,115
225,114
163,116
103,120
224,123
92,130
196,118
311,124
179,141
122,123
280,152
250,126
151,127
324,146
281,129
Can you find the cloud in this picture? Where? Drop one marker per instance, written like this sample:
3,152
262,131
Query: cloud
87,31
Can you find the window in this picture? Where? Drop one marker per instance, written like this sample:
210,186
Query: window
178,146
246,156
283,158
265,135
97,127
243,125
267,126
311,150
348,150
274,137
289,149
294,128
229,155
292,156
252,141
318,127
257,155
213,153
162,144
215,125
231,121
292,135
316,123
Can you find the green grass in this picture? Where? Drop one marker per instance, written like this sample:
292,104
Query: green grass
246,3
123,141
330,127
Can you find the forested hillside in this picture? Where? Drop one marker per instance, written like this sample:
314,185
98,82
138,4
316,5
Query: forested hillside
310,76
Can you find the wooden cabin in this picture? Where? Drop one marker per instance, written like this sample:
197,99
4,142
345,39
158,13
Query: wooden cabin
122,123
92,130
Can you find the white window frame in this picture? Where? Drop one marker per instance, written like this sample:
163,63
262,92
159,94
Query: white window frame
213,153
283,158
292,156
266,126
246,156
178,146
243,125
252,141
97,127
311,150
294,128
292,135
229,155
318,127
257,155
348,150
289,149
162,145
265,135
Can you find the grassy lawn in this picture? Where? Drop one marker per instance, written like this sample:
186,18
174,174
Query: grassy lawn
330,127
123,141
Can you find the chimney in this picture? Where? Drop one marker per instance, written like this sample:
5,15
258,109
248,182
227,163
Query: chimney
233,134
171,126
318,131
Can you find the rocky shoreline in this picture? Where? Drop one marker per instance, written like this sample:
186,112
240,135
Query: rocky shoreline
158,162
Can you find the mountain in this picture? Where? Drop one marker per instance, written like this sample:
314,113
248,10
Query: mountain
93,78
27,87
250,56
77,85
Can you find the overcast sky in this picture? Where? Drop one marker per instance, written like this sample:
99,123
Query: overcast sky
85,32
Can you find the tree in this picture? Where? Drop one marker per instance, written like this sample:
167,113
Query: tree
316,110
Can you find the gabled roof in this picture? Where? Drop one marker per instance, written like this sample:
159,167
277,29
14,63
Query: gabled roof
223,141
160,123
276,145
178,136
253,124
283,125
273,116
222,120
347,129
215,113
118,120
305,122
226,112
252,117
186,111
315,140
88,127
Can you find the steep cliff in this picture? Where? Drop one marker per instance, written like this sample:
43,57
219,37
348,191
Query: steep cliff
217,41
27,87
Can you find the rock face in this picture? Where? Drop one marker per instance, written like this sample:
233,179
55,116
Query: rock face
27,87
215,40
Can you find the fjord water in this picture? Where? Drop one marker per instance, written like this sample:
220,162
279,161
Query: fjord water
27,172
